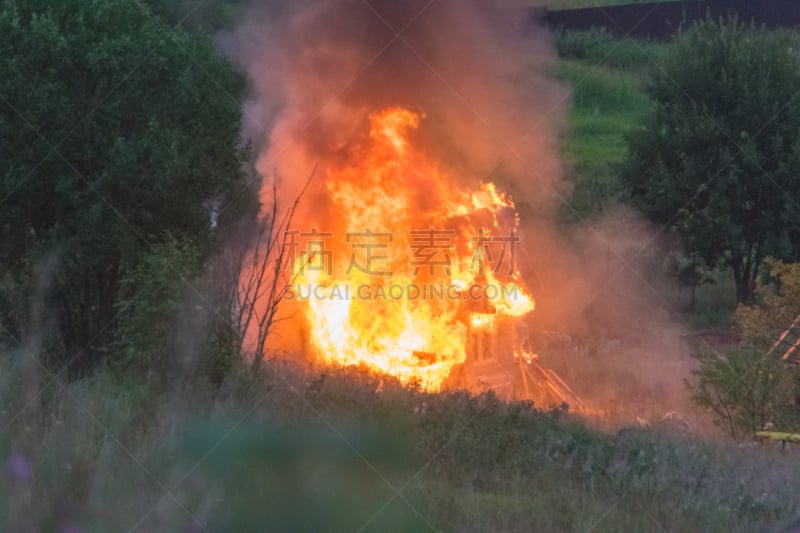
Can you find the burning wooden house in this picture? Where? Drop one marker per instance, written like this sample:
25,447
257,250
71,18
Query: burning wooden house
498,358
416,154
430,292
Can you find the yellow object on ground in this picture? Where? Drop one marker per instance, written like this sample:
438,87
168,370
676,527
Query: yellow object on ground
777,435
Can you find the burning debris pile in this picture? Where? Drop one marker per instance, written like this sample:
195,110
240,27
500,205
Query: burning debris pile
403,255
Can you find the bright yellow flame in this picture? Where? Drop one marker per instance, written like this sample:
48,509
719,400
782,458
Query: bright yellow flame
408,337
481,321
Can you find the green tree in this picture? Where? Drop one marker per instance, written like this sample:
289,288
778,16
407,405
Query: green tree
117,130
207,16
718,159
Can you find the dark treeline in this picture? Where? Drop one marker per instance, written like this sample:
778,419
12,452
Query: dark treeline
662,20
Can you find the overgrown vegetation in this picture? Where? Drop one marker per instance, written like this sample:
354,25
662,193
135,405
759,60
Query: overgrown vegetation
126,399
341,450
717,159
752,388
101,171
607,76
616,91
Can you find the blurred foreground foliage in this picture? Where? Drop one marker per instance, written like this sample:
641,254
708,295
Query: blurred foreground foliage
343,450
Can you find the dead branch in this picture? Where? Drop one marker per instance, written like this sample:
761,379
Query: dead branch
261,283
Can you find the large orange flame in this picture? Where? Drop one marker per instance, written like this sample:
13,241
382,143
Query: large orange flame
387,315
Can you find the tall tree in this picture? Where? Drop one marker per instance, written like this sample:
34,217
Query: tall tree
719,157
116,131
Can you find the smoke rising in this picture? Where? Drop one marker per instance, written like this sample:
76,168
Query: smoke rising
481,76
476,72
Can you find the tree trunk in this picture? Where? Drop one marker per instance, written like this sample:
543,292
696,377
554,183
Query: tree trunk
86,319
745,264
745,290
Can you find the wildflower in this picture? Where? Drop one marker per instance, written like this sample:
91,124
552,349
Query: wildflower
19,468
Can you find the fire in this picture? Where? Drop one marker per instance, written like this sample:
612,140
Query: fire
408,311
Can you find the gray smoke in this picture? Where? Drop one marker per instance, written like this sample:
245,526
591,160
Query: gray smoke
481,73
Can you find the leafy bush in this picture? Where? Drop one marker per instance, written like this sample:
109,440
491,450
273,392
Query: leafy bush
777,308
752,387
155,294
746,389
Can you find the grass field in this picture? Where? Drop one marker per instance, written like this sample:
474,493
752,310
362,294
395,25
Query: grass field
606,76
347,451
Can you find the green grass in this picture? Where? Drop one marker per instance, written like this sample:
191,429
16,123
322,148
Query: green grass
715,303
607,104
607,76
291,450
